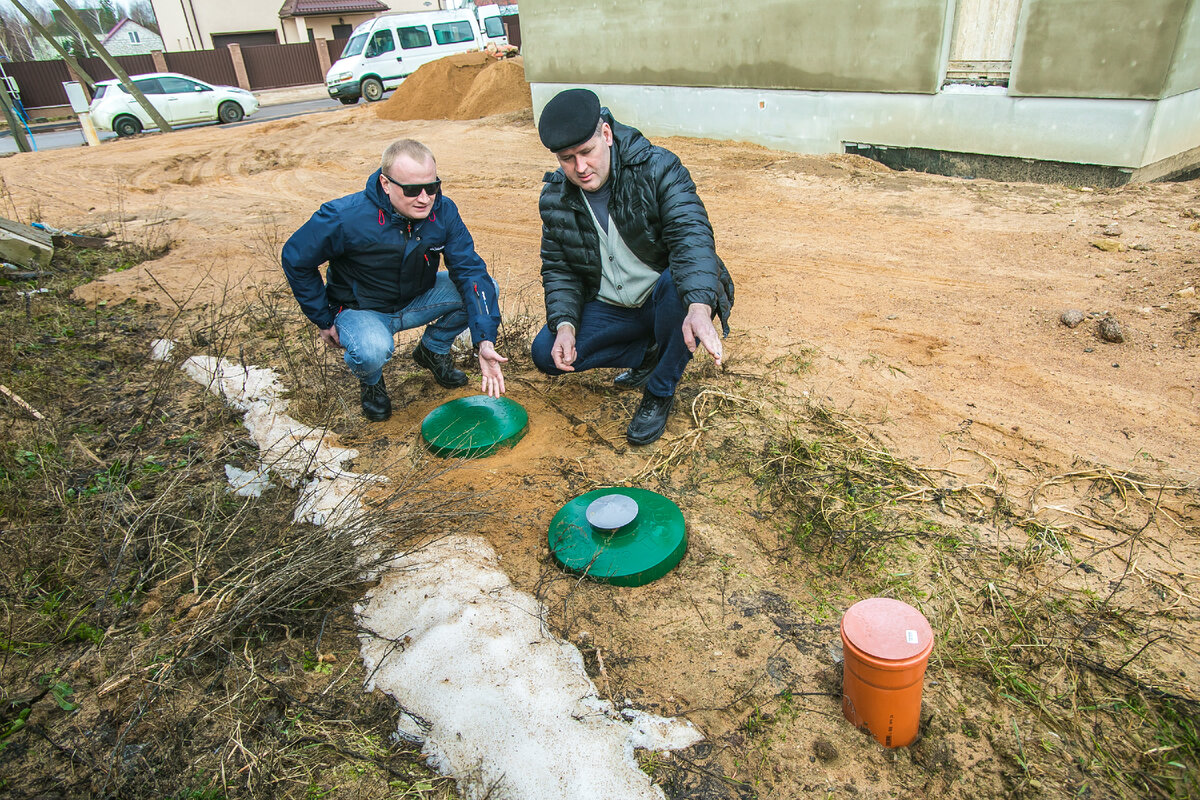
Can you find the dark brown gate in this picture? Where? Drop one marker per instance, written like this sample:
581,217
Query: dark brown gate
214,66
512,29
272,66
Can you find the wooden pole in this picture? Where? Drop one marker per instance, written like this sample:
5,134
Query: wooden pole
58,48
112,64
14,122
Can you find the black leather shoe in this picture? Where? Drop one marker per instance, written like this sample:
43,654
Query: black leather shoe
441,365
636,378
376,404
650,419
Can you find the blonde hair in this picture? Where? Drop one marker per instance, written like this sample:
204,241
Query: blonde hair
405,147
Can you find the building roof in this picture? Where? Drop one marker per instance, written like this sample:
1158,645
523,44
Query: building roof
125,21
308,8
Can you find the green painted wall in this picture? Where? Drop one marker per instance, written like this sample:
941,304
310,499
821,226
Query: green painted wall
1097,48
1185,70
864,45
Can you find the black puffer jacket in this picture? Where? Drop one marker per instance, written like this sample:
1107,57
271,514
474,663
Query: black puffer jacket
659,215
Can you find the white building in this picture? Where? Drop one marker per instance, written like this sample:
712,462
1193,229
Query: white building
128,38
207,25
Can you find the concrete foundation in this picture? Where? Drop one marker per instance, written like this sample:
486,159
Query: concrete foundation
1094,141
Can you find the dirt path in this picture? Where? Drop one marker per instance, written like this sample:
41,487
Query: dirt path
926,307
929,301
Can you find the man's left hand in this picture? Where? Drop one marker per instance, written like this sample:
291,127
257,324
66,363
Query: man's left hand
698,328
489,367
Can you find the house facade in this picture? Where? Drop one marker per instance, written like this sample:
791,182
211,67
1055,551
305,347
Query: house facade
1111,86
128,38
208,24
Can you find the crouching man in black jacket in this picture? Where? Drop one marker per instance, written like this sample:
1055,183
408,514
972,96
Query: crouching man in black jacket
384,245
629,267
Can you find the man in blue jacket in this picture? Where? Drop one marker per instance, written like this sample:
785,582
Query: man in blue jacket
629,268
383,246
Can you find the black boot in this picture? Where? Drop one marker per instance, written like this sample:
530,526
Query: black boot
441,365
650,419
636,378
375,402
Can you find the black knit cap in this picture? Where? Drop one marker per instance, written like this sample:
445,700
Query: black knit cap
569,119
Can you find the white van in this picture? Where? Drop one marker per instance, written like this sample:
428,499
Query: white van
382,51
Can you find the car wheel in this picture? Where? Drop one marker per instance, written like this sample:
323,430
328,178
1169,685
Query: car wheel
372,89
348,101
127,126
230,112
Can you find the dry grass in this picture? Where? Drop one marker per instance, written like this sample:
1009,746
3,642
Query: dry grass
162,637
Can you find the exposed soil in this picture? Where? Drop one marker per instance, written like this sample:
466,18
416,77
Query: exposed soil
924,309
465,86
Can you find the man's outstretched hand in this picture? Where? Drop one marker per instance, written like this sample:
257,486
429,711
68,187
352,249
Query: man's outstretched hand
698,329
489,367
330,337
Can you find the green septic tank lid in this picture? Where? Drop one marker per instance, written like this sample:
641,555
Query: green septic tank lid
474,427
641,550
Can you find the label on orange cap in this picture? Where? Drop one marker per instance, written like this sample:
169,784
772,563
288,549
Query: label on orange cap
910,636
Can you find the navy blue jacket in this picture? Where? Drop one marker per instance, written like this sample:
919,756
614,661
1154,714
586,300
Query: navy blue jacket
379,260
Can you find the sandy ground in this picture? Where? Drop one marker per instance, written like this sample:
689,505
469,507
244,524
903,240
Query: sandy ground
927,307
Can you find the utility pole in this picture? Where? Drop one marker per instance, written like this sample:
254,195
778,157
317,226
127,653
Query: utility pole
58,48
14,122
112,64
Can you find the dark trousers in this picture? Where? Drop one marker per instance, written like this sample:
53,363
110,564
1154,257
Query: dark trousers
615,336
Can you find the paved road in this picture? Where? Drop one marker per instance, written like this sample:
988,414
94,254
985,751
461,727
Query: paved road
73,136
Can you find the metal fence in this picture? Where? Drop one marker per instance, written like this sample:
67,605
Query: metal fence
133,65
270,66
214,66
336,46
267,67
39,83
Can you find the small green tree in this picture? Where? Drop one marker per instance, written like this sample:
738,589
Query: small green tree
109,15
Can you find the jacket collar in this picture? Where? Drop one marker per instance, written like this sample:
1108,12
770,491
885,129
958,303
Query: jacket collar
374,192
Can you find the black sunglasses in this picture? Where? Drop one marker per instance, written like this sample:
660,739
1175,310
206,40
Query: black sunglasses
415,189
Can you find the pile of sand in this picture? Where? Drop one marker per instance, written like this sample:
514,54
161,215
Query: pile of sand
465,86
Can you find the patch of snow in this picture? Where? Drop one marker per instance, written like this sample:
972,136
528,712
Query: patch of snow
161,349
970,88
500,704
299,454
248,483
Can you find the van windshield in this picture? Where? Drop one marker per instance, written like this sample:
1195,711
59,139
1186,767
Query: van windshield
354,46
494,27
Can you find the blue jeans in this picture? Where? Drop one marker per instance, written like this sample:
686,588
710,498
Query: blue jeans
369,336
615,336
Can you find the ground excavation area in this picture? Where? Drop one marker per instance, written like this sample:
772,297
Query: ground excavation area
902,412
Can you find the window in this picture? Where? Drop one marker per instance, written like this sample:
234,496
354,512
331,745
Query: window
149,86
494,27
173,85
414,37
453,32
381,43
133,37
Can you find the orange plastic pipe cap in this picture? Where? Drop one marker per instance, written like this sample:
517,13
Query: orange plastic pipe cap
886,645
